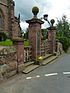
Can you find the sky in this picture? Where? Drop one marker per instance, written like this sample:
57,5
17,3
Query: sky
54,8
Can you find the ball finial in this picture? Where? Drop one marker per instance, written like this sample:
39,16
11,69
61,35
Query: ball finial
52,21
35,11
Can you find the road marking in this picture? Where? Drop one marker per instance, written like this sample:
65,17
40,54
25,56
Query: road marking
52,74
46,75
38,76
66,73
29,78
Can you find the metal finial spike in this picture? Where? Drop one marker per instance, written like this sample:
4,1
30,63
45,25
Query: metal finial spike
19,17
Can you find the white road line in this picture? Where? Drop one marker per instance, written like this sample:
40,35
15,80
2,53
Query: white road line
66,73
38,76
46,75
29,78
52,74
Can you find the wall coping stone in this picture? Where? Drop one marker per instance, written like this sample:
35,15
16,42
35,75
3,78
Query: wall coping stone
52,28
34,20
17,39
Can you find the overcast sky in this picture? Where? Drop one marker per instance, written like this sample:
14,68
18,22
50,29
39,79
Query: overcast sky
54,8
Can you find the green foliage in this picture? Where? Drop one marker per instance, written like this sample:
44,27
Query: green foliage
8,42
44,34
26,43
3,36
63,32
26,34
65,43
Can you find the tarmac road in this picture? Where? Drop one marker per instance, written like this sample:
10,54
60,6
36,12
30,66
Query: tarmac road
52,78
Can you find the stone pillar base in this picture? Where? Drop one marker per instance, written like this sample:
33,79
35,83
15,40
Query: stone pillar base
20,68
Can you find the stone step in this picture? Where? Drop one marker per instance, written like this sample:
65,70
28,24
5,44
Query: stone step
30,68
47,56
48,60
28,64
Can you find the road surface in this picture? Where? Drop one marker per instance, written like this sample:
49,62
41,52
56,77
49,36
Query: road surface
52,78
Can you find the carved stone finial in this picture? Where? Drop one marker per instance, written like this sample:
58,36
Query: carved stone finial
52,21
35,11
19,17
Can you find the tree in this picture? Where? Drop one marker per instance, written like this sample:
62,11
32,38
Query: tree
26,34
63,32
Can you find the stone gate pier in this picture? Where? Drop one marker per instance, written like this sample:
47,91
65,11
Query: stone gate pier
18,43
35,33
52,38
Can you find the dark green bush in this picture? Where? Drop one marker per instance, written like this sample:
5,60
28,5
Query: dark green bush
66,43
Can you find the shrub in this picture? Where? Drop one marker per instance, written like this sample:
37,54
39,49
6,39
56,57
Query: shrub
66,43
8,42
